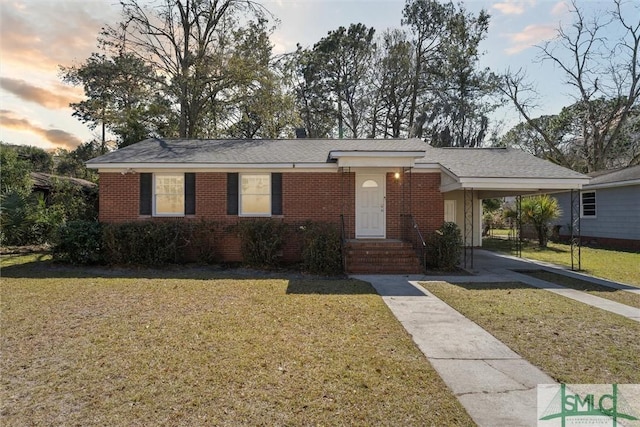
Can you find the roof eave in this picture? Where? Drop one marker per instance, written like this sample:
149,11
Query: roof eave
117,167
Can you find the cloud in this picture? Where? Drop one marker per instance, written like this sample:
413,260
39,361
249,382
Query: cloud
44,97
528,37
560,9
513,7
40,35
57,137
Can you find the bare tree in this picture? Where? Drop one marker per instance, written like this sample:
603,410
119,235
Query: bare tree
604,74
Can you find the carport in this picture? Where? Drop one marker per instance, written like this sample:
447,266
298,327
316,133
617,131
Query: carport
470,175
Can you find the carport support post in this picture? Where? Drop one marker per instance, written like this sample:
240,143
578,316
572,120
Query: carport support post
468,228
575,231
519,226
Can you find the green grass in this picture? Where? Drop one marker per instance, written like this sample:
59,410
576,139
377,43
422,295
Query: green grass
572,342
618,266
503,232
617,295
202,347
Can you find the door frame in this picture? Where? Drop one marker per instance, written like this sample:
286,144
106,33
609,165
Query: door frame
381,177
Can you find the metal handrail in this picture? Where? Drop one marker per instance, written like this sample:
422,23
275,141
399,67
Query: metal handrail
420,245
343,243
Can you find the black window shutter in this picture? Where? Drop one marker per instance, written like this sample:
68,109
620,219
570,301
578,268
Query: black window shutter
146,194
189,193
232,194
276,194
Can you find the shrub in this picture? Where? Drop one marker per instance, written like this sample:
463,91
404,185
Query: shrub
149,242
444,248
261,241
321,253
79,242
539,211
25,219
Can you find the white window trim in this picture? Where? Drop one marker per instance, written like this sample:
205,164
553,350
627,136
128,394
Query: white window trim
253,215
153,195
595,204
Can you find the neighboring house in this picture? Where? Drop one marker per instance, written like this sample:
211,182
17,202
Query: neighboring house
609,209
378,188
46,184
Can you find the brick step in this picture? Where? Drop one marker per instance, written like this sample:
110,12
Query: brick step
384,261
378,244
383,269
382,258
380,251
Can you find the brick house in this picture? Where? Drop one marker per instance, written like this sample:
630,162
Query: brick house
385,194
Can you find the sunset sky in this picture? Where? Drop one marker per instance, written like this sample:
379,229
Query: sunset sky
36,37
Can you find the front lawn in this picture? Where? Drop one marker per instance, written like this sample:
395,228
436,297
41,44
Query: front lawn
573,342
178,347
618,266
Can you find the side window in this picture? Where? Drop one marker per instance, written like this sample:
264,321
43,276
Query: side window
450,211
588,204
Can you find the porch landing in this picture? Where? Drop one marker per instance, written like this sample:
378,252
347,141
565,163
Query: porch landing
381,256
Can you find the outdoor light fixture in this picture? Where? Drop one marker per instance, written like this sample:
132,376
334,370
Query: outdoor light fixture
397,175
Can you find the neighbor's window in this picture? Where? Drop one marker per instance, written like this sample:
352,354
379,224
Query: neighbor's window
255,194
588,204
169,194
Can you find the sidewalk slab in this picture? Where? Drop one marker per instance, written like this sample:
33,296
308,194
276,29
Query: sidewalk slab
632,313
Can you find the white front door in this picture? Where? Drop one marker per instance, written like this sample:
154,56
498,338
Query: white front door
370,205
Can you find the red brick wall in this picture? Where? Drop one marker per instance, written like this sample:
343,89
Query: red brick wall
427,202
417,194
306,196
119,197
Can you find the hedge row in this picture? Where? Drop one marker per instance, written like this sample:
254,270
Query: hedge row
151,243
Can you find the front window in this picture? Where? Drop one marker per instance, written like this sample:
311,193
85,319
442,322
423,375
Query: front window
169,194
255,194
588,204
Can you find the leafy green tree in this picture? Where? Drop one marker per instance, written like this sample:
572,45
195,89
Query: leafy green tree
461,101
392,84
15,171
39,159
451,96
539,211
72,163
262,107
191,48
427,21
317,111
341,63
121,96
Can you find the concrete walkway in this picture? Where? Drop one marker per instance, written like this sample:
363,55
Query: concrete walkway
496,386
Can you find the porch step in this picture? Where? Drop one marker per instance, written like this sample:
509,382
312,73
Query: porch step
381,257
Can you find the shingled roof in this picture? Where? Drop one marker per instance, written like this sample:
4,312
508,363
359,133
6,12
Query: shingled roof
461,162
495,163
623,176
248,151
